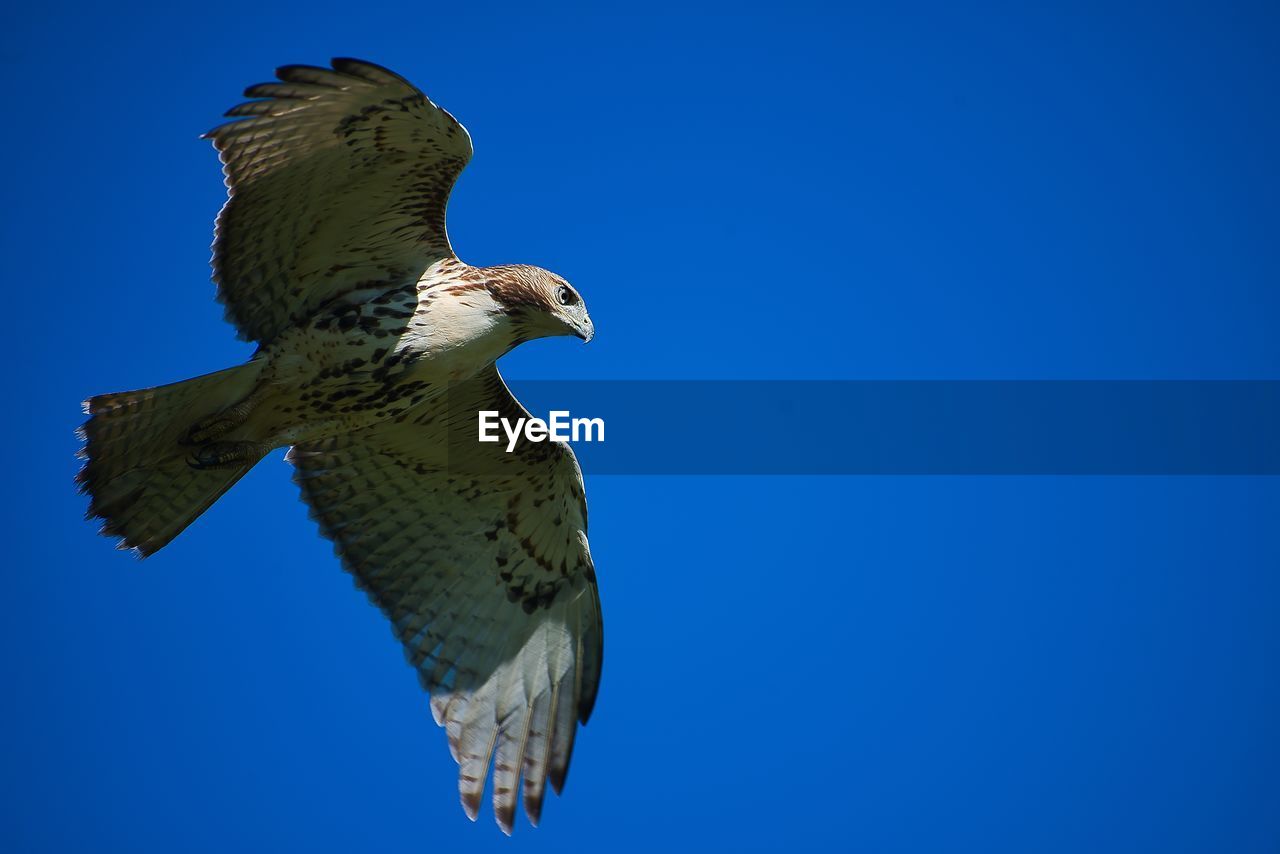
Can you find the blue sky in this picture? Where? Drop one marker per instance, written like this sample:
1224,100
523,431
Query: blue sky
932,190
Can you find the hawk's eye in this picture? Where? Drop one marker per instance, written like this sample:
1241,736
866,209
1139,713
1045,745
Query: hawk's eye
566,296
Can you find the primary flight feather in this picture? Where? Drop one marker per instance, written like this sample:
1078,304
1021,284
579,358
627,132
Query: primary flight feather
376,352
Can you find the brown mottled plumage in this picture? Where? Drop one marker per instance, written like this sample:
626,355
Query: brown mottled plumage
377,350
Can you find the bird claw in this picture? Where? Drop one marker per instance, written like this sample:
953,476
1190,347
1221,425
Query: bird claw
207,429
222,455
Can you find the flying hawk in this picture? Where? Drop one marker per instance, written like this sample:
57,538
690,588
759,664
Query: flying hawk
376,351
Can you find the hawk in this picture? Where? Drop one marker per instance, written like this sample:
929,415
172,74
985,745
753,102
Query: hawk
376,351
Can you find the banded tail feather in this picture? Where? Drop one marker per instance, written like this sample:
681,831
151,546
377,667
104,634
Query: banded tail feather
136,471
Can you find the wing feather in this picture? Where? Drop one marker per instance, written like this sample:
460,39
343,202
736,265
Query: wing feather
538,751
338,179
286,90
509,761
479,558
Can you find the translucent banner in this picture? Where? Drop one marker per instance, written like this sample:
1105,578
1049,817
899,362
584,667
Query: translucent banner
891,427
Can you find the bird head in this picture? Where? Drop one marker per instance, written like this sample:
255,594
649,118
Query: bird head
542,303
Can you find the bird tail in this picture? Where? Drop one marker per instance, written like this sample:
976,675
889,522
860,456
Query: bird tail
136,471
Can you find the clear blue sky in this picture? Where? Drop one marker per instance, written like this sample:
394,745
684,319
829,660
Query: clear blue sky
932,190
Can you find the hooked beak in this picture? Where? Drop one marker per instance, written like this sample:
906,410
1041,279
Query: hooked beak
585,330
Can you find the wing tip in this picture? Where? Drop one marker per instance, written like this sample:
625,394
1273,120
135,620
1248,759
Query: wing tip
533,808
558,777
471,804
505,816
363,69
291,70
342,71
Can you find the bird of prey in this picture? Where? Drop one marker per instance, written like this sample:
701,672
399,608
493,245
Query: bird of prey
376,351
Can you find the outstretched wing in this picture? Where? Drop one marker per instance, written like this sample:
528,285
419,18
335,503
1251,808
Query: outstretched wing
337,180
480,560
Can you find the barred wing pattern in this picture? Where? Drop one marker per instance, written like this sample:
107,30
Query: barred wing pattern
337,180
480,560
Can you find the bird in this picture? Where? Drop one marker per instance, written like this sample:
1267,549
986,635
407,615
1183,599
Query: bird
376,350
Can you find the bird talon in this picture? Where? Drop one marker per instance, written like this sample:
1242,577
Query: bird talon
207,429
220,455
